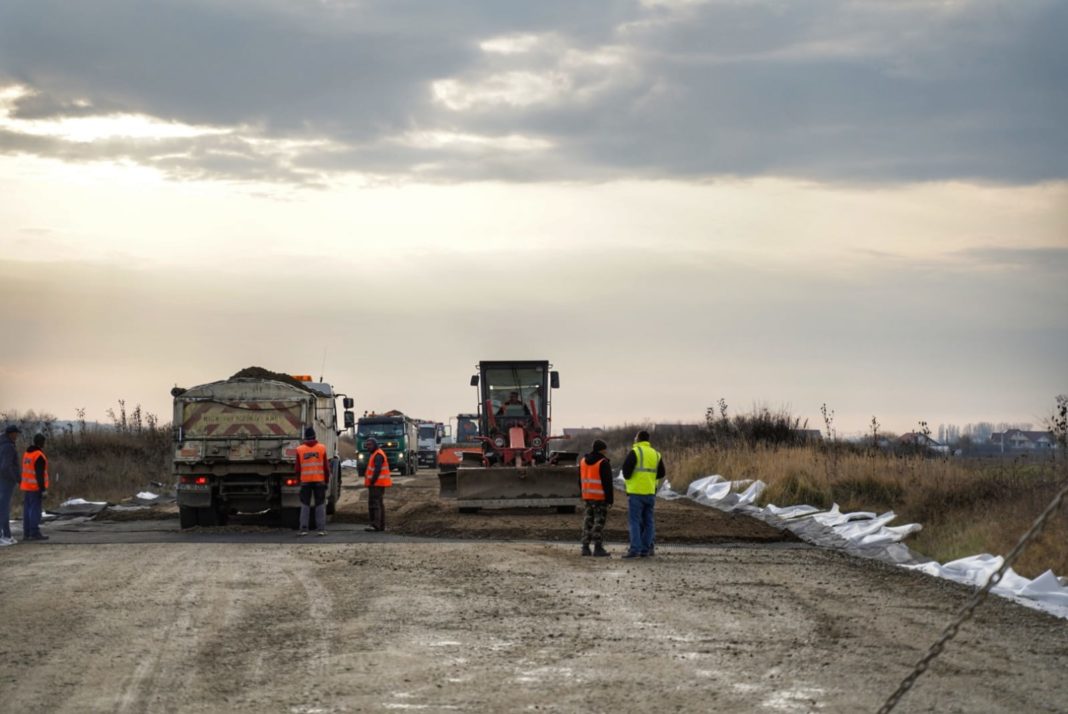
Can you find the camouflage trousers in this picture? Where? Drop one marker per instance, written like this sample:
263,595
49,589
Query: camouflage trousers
593,522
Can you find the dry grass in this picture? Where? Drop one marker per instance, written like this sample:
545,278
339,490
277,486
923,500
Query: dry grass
105,465
966,506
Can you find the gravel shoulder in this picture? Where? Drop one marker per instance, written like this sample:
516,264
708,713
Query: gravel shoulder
486,625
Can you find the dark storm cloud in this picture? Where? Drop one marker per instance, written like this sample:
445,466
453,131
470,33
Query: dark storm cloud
826,89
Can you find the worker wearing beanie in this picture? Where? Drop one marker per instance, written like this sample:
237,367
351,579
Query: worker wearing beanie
10,478
596,474
34,488
314,471
376,478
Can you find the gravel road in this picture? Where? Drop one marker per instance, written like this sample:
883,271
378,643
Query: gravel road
350,623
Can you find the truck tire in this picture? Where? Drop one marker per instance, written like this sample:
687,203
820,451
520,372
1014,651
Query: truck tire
469,509
331,505
187,516
565,509
207,516
291,518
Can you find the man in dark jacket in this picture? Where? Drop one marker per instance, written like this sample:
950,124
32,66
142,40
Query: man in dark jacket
10,478
376,478
596,474
643,473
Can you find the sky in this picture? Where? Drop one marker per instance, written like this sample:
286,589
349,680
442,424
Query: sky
862,204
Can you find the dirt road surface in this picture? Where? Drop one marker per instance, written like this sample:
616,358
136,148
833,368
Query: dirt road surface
249,618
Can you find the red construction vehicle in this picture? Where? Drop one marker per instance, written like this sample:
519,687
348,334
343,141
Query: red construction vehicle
510,463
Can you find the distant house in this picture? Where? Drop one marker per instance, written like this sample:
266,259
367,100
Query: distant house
676,429
922,441
582,432
1020,440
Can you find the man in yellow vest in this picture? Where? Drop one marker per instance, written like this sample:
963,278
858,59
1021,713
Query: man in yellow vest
595,473
34,488
376,478
643,472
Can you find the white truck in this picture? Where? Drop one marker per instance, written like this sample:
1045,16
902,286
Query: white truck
235,445
431,434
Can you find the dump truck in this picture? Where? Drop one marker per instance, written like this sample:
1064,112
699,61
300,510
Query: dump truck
235,444
513,464
396,434
431,435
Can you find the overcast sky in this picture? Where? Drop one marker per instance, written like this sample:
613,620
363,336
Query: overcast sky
857,203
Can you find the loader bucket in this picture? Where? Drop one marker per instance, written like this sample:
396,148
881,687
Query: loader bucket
447,483
508,486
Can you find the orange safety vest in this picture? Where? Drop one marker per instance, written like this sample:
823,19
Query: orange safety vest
592,488
29,470
383,475
312,460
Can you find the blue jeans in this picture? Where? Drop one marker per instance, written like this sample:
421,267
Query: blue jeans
7,488
31,514
640,521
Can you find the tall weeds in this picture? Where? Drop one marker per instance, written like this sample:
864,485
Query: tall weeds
99,462
966,505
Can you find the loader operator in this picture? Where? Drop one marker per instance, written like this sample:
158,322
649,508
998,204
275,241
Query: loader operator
643,471
312,467
376,478
514,407
596,474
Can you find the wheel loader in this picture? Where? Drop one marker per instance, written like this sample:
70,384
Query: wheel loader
510,462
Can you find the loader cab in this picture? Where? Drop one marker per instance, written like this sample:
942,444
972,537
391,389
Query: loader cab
514,394
466,428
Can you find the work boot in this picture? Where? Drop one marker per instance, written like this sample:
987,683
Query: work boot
586,549
600,552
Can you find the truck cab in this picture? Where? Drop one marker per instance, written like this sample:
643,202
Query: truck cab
431,435
397,435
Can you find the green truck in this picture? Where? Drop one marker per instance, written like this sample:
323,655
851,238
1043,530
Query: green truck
397,434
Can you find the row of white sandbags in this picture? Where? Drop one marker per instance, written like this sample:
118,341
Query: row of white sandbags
866,533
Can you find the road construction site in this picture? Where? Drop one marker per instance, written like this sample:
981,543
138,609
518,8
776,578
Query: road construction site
492,611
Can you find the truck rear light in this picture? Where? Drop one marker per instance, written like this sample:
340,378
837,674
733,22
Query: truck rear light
291,482
196,480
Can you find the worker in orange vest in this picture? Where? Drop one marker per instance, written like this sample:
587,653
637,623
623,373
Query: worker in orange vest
377,479
596,474
313,468
34,488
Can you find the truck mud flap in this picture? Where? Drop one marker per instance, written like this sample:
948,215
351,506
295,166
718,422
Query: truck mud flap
534,485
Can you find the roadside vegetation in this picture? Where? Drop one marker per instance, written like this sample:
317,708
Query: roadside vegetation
99,462
966,505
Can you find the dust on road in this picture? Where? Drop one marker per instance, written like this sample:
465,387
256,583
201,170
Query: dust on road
490,626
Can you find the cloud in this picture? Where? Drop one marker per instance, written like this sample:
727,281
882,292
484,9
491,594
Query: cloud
1051,260
829,90
701,326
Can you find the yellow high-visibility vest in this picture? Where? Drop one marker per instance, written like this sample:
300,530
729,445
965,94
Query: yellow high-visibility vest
643,481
